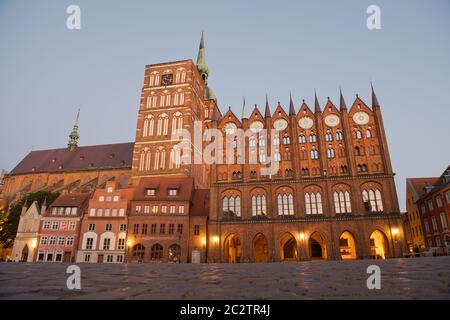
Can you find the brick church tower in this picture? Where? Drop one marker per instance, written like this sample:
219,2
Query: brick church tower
175,98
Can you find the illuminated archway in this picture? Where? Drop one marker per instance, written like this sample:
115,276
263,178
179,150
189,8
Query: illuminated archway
347,246
232,247
378,245
317,247
260,249
288,248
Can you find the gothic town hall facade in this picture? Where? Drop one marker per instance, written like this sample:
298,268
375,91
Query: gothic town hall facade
331,196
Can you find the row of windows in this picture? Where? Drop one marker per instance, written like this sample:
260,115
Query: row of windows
157,252
313,203
53,240
162,128
443,219
165,100
101,212
159,162
153,228
106,245
49,256
155,77
58,225
64,210
108,259
108,227
108,198
160,209
439,203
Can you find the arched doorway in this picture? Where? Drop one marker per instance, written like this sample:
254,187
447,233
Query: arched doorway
260,249
232,246
317,247
378,245
175,253
288,248
24,257
156,252
138,252
347,246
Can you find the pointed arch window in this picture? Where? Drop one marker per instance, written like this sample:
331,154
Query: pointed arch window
258,205
368,134
285,204
372,200
231,206
301,139
330,153
312,138
277,156
157,157
154,79
177,122
314,154
342,202
358,135
328,136
313,203
338,136
163,124
357,151
276,141
286,139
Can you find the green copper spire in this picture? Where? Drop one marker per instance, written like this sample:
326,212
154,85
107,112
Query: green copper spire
244,110
73,137
201,61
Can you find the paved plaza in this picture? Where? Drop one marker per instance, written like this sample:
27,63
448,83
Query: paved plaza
415,278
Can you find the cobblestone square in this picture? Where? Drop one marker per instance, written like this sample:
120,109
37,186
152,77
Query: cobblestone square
418,278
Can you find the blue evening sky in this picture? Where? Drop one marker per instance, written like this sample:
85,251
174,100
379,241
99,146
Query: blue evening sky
252,48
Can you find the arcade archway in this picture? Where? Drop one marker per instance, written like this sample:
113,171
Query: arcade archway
347,246
260,248
232,247
288,248
317,247
378,245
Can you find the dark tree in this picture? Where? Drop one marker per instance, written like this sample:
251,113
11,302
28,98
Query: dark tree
9,221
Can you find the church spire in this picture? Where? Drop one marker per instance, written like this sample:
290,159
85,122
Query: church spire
267,111
244,110
374,98
73,137
316,103
201,60
342,104
291,106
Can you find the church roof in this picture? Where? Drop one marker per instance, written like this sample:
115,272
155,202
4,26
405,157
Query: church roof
104,156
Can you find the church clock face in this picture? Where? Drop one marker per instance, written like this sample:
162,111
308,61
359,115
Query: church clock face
306,123
280,124
256,126
361,118
332,120
166,79
229,128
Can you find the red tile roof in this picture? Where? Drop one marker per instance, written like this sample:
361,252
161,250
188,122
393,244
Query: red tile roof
418,185
79,200
185,190
95,157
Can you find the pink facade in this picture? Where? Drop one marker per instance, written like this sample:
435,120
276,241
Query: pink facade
59,229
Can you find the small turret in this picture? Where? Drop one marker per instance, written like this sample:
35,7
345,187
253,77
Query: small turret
267,111
316,103
74,136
